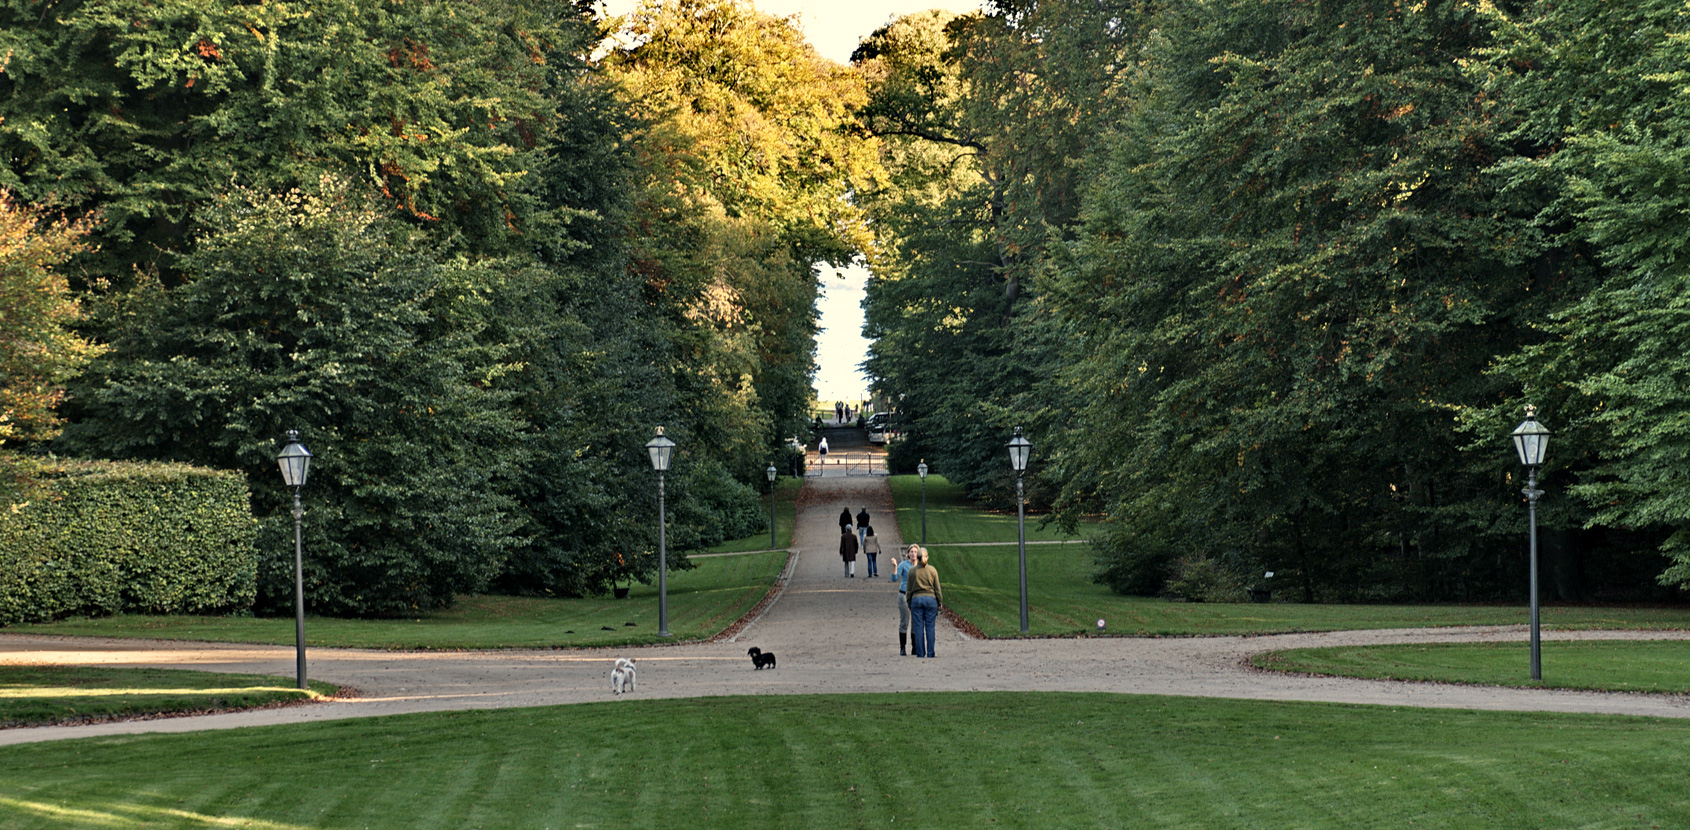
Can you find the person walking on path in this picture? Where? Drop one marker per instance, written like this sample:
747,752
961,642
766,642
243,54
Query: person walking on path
901,575
925,597
871,551
848,552
845,520
821,449
862,526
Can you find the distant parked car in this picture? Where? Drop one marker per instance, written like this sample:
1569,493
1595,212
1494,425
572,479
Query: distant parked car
879,433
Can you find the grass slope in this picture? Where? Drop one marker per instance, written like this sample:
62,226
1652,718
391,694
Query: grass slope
981,584
952,519
925,760
1647,666
702,602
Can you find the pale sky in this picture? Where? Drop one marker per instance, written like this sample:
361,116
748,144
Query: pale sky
834,28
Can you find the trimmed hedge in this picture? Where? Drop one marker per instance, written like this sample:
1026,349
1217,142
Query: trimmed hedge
104,538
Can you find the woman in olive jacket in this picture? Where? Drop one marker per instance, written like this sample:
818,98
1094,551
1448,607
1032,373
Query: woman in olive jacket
925,596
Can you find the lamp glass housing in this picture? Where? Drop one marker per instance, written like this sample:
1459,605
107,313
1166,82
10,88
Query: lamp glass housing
1019,450
661,450
1531,440
295,461
921,470
771,472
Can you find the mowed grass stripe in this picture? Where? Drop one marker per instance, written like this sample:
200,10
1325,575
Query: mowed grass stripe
1001,760
32,694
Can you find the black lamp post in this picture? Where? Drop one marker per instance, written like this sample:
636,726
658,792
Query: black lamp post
921,470
295,462
1531,440
661,450
1019,450
771,473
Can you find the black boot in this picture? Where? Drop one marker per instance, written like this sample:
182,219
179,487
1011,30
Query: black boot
903,641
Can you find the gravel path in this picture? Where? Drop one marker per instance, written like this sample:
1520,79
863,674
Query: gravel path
830,634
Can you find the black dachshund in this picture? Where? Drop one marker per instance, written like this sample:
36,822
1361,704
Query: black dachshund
761,660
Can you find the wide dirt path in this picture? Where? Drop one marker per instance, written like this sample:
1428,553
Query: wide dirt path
830,634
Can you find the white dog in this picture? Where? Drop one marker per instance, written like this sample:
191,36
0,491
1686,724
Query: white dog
622,677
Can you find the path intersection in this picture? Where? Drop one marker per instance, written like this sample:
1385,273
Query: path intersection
831,635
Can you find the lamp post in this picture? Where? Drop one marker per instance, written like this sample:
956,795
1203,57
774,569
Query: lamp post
661,449
1531,439
1019,449
921,470
771,474
295,462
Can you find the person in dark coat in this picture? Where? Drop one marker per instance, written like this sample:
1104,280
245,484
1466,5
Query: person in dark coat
848,552
844,520
862,526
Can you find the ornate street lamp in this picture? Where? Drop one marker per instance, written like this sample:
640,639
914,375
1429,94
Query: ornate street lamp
771,474
295,462
1531,440
921,470
661,450
1019,450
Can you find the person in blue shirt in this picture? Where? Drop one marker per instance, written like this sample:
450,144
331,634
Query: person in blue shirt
902,576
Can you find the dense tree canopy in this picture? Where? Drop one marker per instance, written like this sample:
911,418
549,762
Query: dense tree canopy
312,309
1266,281
747,166
472,264
1597,93
987,122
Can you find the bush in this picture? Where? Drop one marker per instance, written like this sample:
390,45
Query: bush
1202,578
106,537
710,507
1129,563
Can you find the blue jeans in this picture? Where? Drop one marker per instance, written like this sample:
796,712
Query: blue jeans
924,613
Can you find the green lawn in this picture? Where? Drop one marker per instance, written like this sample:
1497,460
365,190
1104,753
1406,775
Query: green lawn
786,513
953,519
1648,666
52,694
981,584
702,602
918,760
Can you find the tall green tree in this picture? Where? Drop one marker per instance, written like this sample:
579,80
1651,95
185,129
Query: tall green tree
1294,275
987,121
1598,93
39,348
314,309
747,165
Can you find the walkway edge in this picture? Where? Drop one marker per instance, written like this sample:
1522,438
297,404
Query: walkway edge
744,624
